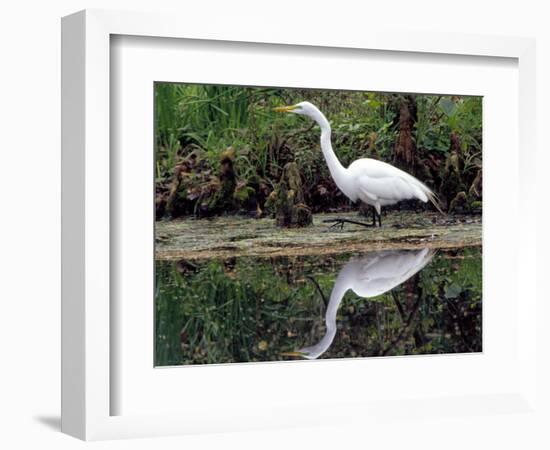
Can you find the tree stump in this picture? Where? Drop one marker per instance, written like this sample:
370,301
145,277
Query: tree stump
288,198
452,184
222,201
405,147
475,193
460,203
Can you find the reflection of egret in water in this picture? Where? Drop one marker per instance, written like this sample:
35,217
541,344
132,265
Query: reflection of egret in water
369,276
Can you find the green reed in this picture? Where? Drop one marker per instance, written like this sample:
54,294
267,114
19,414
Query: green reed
251,309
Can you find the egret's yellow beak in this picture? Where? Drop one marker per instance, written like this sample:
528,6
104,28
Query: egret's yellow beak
292,354
284,108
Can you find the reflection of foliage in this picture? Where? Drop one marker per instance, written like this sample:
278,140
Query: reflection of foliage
225,310
204,120
252,309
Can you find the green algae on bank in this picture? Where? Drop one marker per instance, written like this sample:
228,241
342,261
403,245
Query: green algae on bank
242,236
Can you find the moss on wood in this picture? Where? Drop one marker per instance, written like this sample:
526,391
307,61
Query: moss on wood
244,236
288,199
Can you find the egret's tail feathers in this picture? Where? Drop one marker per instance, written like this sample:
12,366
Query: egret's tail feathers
425,194
434,201
419,191
428,195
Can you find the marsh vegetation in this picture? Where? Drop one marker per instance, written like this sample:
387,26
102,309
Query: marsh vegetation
252,309
244,258
221,149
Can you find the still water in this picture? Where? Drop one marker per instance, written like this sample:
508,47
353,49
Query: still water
380,303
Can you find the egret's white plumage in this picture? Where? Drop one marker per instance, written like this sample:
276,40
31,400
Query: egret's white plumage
373,182
369,276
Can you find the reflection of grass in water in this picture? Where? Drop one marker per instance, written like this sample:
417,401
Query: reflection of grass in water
251,309
226,314
442,302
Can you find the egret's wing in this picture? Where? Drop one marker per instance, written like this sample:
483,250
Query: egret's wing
392,188
379,169
379,180
388,270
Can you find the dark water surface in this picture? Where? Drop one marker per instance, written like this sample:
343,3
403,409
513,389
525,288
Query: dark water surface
397,302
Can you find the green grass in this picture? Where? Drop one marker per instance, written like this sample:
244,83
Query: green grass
252,309
207,119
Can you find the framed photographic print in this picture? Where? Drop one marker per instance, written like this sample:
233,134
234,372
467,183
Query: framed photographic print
246,217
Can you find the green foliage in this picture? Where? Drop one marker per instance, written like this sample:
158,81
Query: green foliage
438,117
252,309
209,118
222,313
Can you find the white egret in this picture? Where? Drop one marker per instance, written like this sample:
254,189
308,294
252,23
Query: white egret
369,276
373,182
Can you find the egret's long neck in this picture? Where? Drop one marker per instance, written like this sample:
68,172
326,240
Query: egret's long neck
337,170
341,286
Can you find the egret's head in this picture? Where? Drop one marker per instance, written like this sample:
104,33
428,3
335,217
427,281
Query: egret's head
314,351
302,108
301,353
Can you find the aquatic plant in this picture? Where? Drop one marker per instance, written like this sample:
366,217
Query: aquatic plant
205,120
251,309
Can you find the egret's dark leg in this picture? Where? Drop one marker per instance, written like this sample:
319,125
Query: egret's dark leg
340,222
325,301
374,215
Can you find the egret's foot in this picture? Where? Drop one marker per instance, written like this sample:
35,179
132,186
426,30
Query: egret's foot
339,222
335,223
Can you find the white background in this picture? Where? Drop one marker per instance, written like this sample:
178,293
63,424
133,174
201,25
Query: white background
29,319
141,389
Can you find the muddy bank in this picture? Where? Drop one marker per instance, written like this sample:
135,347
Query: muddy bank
242,236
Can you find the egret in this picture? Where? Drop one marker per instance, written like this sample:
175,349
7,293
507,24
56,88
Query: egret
370,181
369,276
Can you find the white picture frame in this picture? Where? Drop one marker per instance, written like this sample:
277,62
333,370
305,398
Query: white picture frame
87,326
